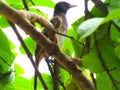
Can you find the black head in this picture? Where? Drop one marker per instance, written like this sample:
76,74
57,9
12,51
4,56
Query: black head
62,7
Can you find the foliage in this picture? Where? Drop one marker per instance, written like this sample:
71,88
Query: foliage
100,49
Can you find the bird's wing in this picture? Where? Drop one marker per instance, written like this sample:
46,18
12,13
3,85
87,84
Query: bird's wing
57,22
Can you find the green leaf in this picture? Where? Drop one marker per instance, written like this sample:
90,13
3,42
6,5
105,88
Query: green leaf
3,22
76,46
18,70
64,75
91,62
72,85
7,87
106,48
6,55
117,51
112,16
17,4
48,80
88,27
7,77
78,22
69,49
22,83
48,3
96,12
114,34
30,43
113,4
104,82
116,73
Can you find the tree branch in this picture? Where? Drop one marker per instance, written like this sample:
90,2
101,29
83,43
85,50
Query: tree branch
50,47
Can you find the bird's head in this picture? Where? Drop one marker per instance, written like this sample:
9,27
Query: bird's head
63,7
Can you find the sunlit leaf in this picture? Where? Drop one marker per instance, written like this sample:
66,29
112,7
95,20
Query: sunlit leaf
3,22
48,3
18,70
22,83
88,27
15,4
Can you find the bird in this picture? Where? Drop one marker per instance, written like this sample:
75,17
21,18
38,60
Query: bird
60,23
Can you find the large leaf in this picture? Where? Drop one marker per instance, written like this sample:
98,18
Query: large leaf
104,82
89,26
91,62
22,83
6,55
106,48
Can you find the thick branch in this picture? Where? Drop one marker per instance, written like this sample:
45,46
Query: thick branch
50,47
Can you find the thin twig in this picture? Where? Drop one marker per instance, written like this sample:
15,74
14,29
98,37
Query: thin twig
25,4
87,13
72,38
87,16
29,54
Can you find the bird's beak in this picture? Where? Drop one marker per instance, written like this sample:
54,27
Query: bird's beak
71,6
